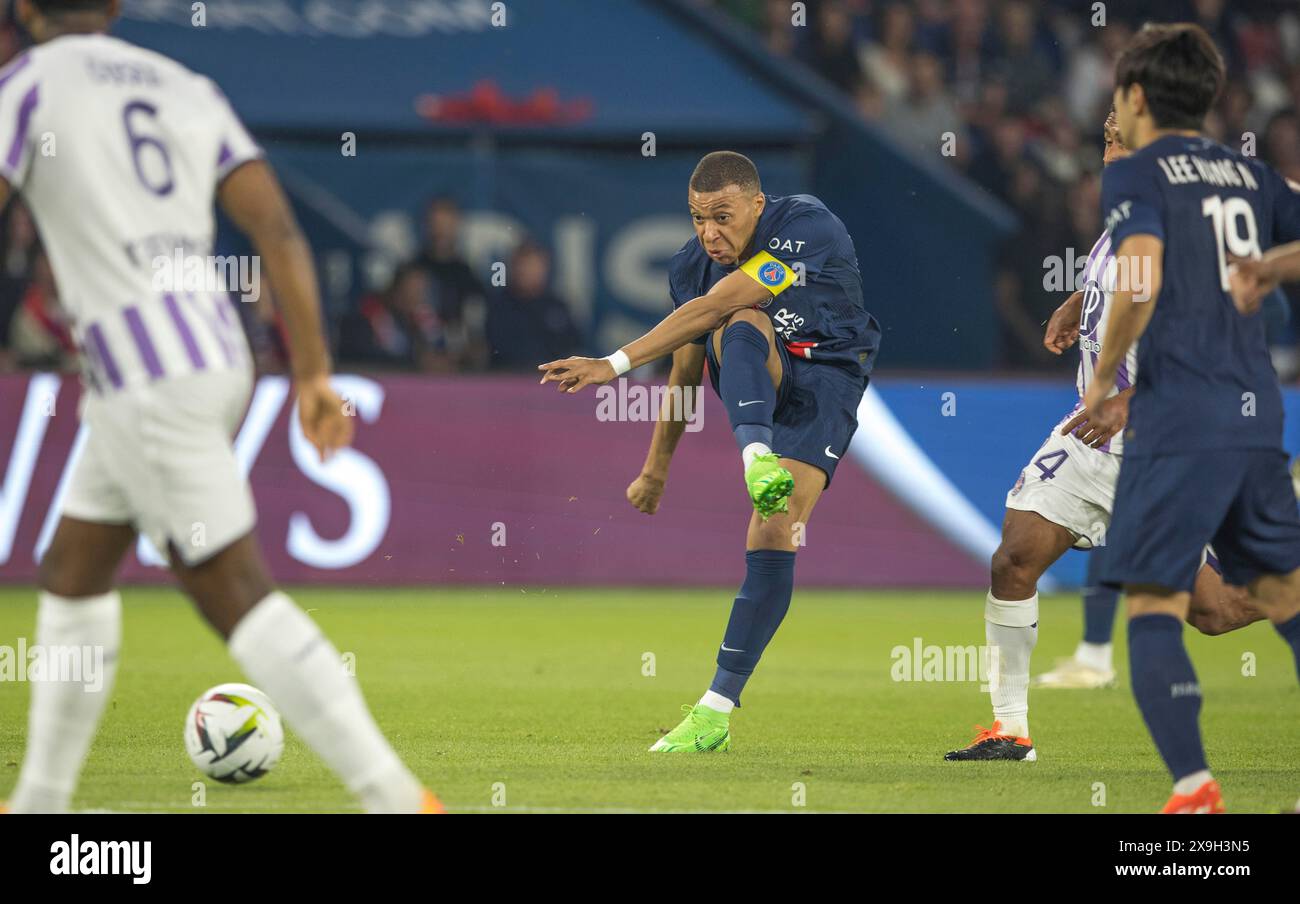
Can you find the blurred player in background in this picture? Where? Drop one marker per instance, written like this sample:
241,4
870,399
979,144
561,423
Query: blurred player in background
1204,459
143,146
1062,500
769,294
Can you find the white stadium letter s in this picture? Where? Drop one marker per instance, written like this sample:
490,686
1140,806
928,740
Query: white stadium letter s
348,473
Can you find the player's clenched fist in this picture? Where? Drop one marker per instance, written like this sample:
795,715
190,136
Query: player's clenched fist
324,422
574,373
645,493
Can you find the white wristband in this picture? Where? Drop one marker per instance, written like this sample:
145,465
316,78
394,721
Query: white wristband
620,362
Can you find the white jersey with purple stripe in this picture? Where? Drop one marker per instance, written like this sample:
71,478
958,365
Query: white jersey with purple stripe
118,152
1098,288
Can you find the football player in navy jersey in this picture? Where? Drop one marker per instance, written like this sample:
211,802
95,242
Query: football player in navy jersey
1204,460
769,294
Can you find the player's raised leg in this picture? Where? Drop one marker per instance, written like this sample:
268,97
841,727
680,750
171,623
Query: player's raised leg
1278,597
748,387
78,610
757,612
1030,544
1218,607
285,653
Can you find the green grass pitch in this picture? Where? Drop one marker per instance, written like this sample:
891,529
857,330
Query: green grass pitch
537,700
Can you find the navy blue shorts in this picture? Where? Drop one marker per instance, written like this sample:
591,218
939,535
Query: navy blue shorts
816,409
1167,507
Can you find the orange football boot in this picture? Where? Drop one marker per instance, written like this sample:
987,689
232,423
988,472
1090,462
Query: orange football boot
1205,799
431,804
992,744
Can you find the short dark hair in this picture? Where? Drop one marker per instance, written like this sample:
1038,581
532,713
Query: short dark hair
716,171
1180,71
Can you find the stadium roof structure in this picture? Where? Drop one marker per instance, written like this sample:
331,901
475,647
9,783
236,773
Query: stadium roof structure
555,68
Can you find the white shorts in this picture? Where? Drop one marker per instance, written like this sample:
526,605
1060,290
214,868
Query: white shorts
159,457
1069,484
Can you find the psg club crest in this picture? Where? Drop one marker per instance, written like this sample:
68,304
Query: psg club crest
772,273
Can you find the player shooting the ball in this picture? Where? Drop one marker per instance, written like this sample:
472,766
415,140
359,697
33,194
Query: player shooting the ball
769,294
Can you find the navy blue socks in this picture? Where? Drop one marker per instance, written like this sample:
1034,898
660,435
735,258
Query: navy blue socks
1290,631
1099,604
745,385
755,615
1167,692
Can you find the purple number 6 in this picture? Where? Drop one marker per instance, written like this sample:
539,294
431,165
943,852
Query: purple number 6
139,142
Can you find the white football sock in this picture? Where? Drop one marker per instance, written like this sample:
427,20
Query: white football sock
752,451
1095,655
64,713
717,701
285,654
1011,628
1189,783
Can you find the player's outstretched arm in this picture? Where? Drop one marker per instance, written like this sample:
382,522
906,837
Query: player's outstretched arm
1140,260
698,316
253,199
683,382
1252,280
1063,326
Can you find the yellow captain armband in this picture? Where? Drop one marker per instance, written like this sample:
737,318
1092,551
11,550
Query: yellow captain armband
769,272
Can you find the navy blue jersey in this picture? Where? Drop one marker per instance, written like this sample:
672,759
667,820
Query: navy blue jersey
819,317
1205,380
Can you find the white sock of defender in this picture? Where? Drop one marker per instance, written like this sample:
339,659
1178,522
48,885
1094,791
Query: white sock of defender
1011,628
714,700
1099,656
285,654
752,451
64,713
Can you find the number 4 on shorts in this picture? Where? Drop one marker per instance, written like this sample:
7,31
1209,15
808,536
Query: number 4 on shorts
1057,458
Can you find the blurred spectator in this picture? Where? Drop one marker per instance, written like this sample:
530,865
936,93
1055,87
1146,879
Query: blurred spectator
888,61
397,328
18,248
528,324
1024,65
920,119
1281,143
39,333
831,52
1026,87
458,294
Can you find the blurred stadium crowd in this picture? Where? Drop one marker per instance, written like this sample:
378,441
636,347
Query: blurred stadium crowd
1023,87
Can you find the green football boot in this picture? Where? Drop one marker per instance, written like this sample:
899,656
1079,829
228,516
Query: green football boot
702,730
770,485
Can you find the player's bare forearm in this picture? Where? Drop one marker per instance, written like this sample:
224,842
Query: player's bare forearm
253,199
698,316
683,383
